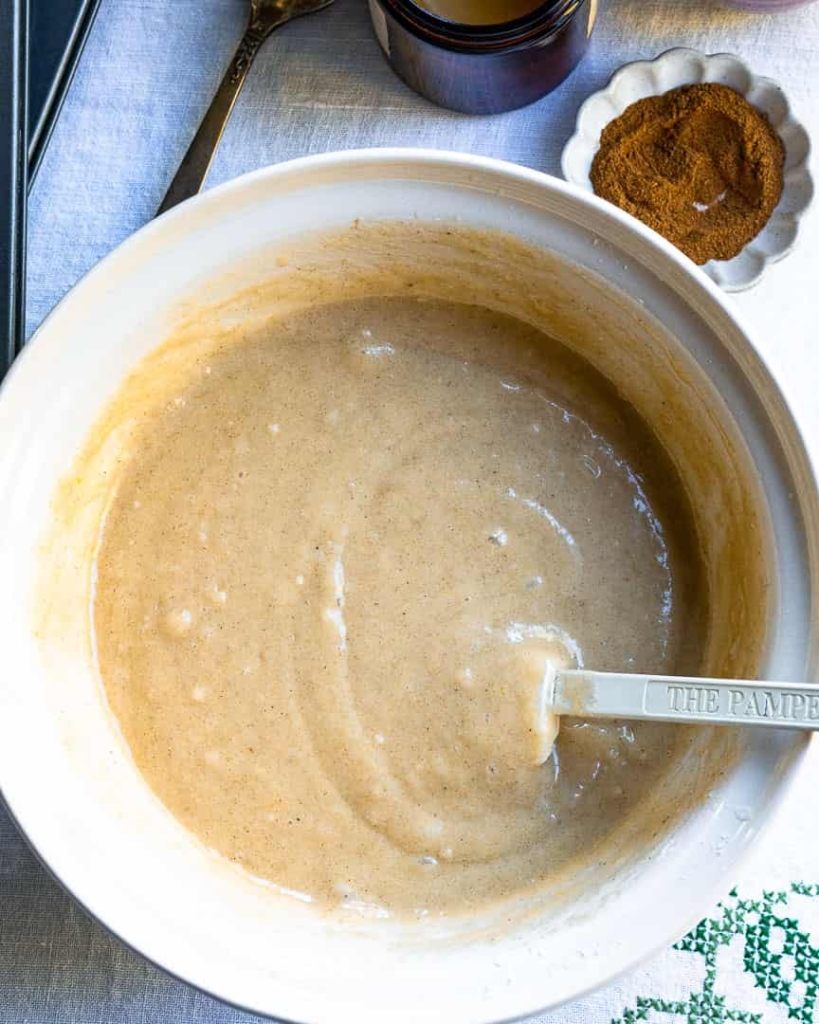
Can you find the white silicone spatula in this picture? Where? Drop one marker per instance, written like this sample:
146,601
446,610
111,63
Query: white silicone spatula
681,699
585,694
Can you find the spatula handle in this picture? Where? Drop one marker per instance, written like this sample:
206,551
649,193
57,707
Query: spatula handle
681,699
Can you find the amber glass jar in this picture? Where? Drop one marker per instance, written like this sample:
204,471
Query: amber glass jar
484,69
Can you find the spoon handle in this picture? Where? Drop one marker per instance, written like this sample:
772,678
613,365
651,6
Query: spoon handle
195,164
681,699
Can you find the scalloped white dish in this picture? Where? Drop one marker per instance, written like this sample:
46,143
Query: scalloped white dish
688,67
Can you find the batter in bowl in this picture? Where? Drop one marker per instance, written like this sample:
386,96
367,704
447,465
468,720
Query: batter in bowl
328,579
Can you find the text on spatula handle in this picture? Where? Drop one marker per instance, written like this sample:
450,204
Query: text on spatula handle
730,702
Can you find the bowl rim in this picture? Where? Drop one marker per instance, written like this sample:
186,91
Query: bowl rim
489,175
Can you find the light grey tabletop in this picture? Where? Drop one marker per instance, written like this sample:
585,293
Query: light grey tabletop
145,79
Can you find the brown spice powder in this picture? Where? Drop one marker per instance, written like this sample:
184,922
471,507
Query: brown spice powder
698,164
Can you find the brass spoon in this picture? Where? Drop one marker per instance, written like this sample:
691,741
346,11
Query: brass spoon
265,16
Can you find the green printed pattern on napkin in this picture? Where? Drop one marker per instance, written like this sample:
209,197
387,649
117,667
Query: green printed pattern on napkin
776,952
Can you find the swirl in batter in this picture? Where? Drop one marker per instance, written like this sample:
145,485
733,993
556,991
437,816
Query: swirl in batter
328,580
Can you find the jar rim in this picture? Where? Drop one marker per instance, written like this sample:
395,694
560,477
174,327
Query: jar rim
548,16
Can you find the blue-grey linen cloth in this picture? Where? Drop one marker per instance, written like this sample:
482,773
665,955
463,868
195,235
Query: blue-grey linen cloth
145,80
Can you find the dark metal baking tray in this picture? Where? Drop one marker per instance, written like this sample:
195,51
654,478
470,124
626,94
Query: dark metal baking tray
13,174
58,30
40,46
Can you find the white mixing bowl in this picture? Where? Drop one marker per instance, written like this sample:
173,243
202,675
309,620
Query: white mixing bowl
64,771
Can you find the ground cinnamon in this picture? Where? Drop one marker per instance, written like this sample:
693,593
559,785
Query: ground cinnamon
698,164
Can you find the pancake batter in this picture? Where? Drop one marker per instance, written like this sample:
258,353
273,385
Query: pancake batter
329,578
